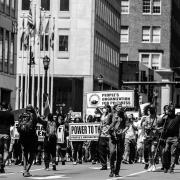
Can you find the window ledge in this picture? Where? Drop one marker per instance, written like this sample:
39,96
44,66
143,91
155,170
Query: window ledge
63,55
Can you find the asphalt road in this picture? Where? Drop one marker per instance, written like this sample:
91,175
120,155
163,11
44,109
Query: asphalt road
87,171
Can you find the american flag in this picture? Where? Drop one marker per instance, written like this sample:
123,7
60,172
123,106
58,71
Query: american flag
30,20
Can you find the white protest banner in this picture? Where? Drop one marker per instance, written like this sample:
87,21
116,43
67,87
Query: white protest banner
101,98
16,134
83,131
40,132
60,134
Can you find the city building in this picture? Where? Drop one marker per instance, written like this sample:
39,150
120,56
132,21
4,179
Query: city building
84,47
150,34
8,41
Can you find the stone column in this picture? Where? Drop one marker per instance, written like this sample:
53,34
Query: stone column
87,87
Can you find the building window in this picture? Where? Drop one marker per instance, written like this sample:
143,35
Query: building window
8,6
2,5
1,49
151,60
156,6
125,6
63,43
155,61
13,4
64,5
123,57
6,58
156,34
146,33
45,4
11,62
151,34
151,7
44,45
146,6
124,36
25,4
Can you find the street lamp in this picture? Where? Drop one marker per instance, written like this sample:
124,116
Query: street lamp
100,81
46,61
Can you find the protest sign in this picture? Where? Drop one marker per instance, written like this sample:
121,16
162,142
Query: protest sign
40,132
60,134
83,131
101,98
16,134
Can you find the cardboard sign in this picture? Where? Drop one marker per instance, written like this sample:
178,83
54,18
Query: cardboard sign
16,134
83,131
40,132
60,134
101,98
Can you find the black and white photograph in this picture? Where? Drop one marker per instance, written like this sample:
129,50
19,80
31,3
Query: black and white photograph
90,89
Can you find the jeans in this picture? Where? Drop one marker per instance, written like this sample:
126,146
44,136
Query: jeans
4,148
103,150
116,154
130,149
49,151
170,152
77,149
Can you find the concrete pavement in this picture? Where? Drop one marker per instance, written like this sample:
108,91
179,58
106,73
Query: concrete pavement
87,171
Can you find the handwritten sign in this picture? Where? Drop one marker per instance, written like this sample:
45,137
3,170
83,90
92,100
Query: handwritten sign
83,131
40,132
60,134
16,134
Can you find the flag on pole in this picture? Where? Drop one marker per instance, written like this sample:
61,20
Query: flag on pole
46,107
47,28
52,37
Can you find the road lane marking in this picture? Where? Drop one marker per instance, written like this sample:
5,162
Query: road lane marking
133,174
49,177
6,174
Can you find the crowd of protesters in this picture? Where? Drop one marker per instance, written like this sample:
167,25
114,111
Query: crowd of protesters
123,138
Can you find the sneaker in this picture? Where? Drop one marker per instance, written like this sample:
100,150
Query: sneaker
125,161
146,166
153,168
2,170
104,168
111,174
27,174
54,167
165,170
117,175
150,169
47,168
171,170
80,162
74,163
63,163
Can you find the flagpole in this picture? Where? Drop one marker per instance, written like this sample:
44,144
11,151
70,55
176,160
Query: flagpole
22,67
52,74
39,38
17,92
49,56
43,45
34,44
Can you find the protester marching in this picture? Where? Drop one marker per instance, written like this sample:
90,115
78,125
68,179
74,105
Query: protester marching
111,135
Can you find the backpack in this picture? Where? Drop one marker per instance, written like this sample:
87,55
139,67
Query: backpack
51,129
25,125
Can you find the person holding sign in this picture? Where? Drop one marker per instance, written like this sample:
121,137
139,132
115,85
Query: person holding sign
104,136
117,131
77,145
61,147
50,140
